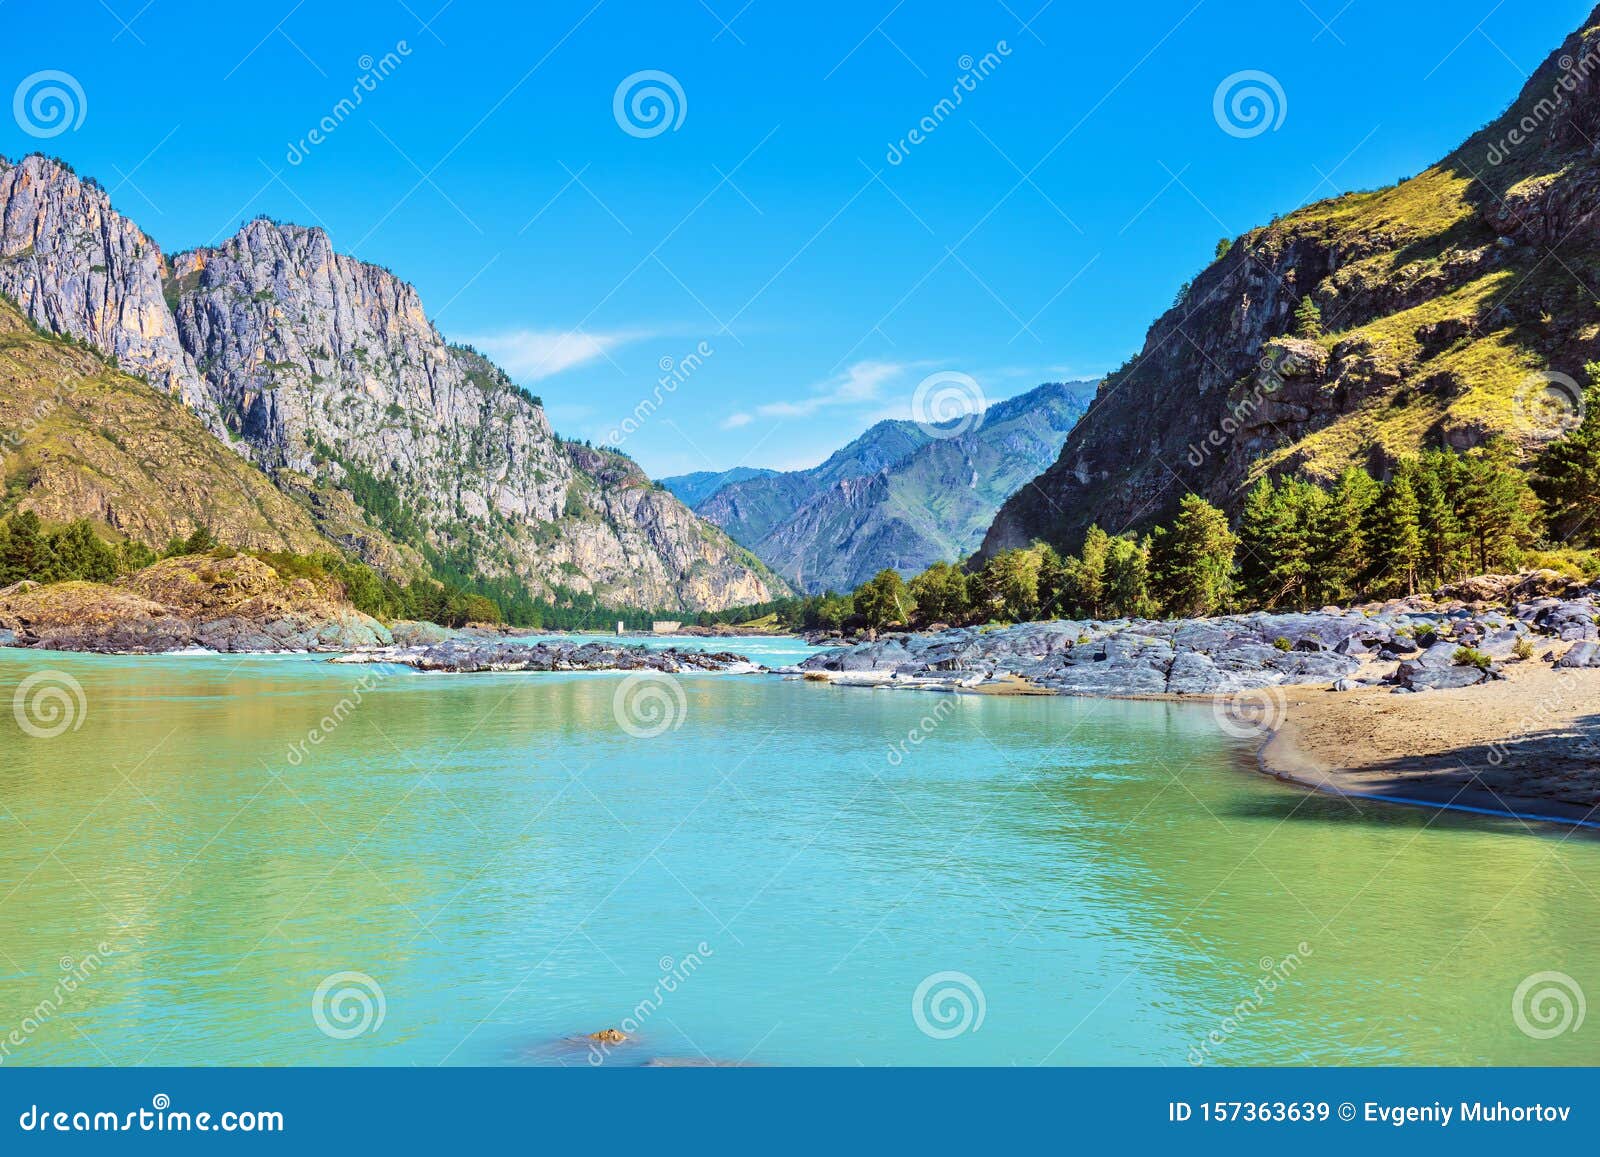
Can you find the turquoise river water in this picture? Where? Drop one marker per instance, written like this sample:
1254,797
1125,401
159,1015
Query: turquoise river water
223,860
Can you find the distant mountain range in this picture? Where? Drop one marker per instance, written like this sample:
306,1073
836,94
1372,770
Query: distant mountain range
693,489
901,496
325,411
1451,308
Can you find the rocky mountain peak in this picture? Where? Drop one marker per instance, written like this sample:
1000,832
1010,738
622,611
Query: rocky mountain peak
76,266
326,372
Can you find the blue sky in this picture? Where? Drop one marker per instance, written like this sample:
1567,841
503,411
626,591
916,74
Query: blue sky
1031,235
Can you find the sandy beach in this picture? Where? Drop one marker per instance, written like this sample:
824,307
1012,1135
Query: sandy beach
1527,745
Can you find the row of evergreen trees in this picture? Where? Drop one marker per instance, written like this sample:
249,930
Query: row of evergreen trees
1438,517
454,597
30,551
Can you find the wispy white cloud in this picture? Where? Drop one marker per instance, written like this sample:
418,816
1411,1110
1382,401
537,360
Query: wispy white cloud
736,421
860,384
531,354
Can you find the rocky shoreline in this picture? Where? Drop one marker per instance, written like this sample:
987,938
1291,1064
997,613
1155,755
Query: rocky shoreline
465,656
235,604
1410,645
1509,724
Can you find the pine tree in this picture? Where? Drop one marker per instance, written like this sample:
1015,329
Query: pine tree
134,556
1437,481
832,610
1010,585
1276,541
27,551
1308,319
80,554
940,593
884,600
1394,539
1569,473
1052,581
1257,535
1497,510
1192,562
1340,538
1085,579
1127,586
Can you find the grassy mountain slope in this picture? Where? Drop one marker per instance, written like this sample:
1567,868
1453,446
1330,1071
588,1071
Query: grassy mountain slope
1441,300
81,439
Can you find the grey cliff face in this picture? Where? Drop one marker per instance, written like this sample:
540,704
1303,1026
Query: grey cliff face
77,267
327,366
318,366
